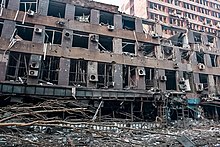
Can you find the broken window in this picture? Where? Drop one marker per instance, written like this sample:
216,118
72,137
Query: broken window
149,78
105,43
17,66
147,27
147,49
4,3
82,14
78,72
200,57
128,46
210,40
56,9
50,69
214,60
106,18
53,35
128,23
171,80
80,39
1,25
177,39
197,37
203,78
27,5
105,75
24,31
188,80
185,55
129,76
167,52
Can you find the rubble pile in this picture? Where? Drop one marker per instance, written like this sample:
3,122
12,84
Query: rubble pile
56,123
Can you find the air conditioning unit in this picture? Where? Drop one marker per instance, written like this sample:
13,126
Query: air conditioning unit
38,30
201,66
94,38
182,86
93,78
111,27
33,73
155,35
60,23
30,13
182,81
141,72
68,34
175,65
163,78
111,84
199,87
34,65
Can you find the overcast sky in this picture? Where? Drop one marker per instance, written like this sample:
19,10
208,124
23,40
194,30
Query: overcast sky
113,2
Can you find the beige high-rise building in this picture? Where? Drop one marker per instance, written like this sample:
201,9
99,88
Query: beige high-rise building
198,15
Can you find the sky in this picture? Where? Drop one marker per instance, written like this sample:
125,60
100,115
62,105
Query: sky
113,2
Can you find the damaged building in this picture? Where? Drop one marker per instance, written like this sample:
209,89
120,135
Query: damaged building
127,68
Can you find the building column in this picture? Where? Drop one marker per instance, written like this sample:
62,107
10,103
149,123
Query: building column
118,77
8,29
141,83
70,12
118,69
37,36
95,16
43,7
138,25
63,78
92,74
211,83
162,84
3,65
14,4
208,61
117,21
67,39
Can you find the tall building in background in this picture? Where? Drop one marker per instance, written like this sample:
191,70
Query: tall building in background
198,15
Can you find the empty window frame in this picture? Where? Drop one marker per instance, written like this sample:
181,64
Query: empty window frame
128,46
147,49
56,9
200,57
129,76
214,60
105,75
106,18
50,69
149,78
78,72
203,78
185,56
82,14
210,39
1,25
128,23
53,35
17,66
197,37
167,52
26,5
171,80
4,3
105,43
24,31
80,39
